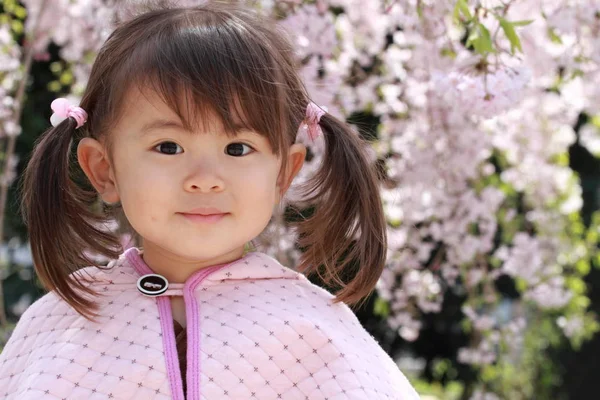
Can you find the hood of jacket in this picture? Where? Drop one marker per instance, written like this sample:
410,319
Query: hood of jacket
124,272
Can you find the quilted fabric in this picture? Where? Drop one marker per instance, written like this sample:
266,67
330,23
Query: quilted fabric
256,330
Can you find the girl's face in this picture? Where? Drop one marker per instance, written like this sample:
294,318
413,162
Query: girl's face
160,172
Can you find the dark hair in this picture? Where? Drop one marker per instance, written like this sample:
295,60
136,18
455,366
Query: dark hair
228,60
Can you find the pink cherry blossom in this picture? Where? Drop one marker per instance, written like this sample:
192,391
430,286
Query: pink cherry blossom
459,133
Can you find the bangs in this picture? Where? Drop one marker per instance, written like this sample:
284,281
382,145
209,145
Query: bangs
203,64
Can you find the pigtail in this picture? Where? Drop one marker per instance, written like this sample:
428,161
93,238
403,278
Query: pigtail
345,239
60,223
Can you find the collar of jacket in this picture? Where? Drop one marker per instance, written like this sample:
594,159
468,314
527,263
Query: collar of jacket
123,273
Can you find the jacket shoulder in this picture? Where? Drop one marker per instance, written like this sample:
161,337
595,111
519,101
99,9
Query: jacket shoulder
19,348
34,315
348,353
357,356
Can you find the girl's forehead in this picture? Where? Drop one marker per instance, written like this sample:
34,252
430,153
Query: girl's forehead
146,102
145,111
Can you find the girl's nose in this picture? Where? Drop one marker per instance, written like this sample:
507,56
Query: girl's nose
204,178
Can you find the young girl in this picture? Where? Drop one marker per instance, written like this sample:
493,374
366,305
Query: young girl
189,314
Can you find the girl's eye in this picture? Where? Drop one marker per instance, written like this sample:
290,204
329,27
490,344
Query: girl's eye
233,149
237,149
167,147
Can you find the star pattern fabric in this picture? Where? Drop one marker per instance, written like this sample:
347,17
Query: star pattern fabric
259,331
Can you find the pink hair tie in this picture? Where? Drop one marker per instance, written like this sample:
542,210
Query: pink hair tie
313,116
63,110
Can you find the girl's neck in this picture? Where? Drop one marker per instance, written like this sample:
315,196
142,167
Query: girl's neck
177,268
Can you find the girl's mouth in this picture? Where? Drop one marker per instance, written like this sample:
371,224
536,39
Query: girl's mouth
210,219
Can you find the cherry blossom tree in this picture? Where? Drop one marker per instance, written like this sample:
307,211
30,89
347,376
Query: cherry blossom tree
475,104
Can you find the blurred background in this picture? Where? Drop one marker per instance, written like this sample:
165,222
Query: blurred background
484,123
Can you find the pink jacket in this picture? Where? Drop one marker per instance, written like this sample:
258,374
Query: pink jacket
255,329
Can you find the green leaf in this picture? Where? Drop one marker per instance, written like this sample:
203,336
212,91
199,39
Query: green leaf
461,6
511,35
464,8
66,78
472,39
577,285
17,26
20,12
447,52
562,159
481,40
583,267
456,14
521,285
54,86
9,6
522,23
489,373
56,67
554,36
485,39
382,308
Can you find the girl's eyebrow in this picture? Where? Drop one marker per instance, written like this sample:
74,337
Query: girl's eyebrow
158,124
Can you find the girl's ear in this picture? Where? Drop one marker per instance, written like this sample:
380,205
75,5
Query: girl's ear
295,161
93,159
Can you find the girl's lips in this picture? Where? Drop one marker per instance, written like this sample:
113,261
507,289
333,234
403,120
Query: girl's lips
211,219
